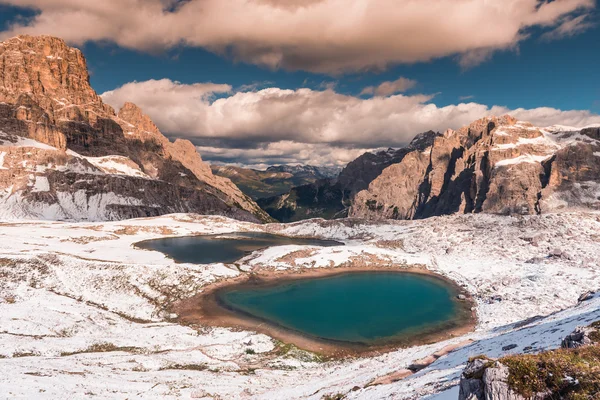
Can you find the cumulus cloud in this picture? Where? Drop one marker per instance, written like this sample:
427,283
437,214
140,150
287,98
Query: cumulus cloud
304,125
390,87
283,152
328,36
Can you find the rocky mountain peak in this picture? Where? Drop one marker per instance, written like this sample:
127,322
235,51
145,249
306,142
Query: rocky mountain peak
47,69
496,165
45,96
138,125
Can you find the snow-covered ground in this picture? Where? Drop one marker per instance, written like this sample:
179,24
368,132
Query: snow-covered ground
85,314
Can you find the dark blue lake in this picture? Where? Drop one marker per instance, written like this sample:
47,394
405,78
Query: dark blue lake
225,248
361,307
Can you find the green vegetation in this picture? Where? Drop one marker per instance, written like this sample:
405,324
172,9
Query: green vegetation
103,348
186,367
567,373
337,396
373,206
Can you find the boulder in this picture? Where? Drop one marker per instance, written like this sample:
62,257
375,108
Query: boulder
578,338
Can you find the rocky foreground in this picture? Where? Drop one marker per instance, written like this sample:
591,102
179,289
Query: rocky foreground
64,154
83,313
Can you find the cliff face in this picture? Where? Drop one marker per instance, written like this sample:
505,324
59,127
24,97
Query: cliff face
494,165
330,198
45,96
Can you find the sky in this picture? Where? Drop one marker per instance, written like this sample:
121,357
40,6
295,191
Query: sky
264,82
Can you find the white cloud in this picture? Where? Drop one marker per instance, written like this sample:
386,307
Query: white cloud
330,36
303,125
390,87
570,26
283,152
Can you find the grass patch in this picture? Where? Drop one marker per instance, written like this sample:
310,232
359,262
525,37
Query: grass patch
250,351
595,335
23,354
572,374
187,367
102,348
337,396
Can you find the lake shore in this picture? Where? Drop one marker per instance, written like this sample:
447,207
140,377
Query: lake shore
207,308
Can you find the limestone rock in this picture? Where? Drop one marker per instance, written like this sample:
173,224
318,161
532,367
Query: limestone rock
45,96
578,338
485,379
497,165
330,198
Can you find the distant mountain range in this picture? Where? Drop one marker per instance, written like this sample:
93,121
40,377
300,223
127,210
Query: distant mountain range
274,180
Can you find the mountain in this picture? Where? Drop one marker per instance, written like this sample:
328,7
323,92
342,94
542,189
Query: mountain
330,198
274,180
64,154
495,165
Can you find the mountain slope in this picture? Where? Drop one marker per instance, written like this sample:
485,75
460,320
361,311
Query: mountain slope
495,165
330,198
274,180
45,97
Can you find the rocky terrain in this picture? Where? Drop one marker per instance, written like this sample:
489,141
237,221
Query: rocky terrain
64,154
567,373
495,165
273,181
331,198
85,314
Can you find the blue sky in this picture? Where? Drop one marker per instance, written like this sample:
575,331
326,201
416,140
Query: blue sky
562,74
533,72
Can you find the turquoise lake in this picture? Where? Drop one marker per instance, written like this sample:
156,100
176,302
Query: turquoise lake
361,307
225,248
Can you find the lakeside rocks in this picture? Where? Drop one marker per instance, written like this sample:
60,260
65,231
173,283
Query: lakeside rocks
45,97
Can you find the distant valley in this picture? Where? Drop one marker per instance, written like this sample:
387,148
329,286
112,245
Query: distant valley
275,180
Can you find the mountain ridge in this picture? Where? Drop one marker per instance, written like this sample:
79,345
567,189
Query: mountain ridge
496,165
45,96
273,181
331,198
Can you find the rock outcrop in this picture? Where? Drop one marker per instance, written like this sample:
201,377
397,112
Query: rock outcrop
95,163
496,165
581,336
485,379
569,372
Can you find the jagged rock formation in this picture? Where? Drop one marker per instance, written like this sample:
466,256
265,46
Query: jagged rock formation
495,165
275,180
330,198
65,154
581,336
484,379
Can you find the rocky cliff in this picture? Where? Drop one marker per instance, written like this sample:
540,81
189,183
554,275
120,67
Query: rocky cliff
65,154
330,198
496,165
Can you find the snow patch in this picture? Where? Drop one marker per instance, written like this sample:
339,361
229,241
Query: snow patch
525,158
41,184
